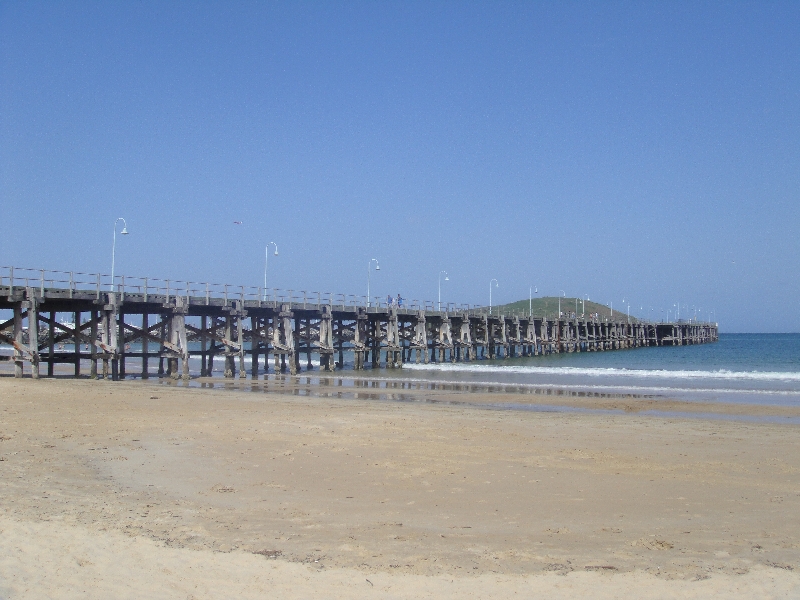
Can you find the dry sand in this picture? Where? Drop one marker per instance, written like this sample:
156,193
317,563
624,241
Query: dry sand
132,489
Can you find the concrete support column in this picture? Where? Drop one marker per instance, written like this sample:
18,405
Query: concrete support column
175,342
112,342
33,333
77,346
145,345
105,337
326,348
255,342
93,344
230,363
51,344
18,340
240,316
120,347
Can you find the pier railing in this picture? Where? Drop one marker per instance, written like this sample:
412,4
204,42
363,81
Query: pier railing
97,283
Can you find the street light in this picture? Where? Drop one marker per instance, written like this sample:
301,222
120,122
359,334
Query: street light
369,272
559,302
446,278
530,300
496,284
114,246
266,263
583,305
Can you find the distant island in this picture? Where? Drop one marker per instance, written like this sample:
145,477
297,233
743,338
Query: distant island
548,306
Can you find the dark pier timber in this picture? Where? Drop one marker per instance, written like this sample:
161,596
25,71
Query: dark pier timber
147,323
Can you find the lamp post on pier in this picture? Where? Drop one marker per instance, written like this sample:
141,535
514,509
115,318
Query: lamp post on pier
530,299
559,302
369,272
496,284
446,278
266,263
114,246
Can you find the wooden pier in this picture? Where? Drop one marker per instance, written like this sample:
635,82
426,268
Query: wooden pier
139,323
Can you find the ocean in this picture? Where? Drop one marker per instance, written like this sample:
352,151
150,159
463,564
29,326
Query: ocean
745,368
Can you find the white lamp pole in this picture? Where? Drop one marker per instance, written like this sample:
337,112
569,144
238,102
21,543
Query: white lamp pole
266,264
496,284
446,278
530,300
559,302
369,272
114,246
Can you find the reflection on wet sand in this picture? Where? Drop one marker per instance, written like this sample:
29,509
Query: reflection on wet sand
506,397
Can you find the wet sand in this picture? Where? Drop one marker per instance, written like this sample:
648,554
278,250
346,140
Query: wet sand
114,489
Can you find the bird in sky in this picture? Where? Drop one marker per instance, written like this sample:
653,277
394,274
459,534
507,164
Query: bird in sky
237,222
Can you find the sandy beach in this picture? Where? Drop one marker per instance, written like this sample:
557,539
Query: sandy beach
132,489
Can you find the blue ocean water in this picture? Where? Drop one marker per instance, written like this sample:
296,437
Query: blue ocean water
752,368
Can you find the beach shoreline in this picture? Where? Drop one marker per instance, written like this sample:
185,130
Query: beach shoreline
407,492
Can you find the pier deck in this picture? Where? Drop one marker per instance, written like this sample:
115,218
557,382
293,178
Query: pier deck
166,321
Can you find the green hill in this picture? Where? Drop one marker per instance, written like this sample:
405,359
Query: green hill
548,306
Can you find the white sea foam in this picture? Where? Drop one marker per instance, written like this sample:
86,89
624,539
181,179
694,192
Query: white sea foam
721,374
613,389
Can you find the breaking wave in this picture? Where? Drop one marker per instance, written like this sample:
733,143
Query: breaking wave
721,374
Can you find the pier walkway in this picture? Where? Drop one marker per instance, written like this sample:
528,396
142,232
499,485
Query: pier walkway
85,320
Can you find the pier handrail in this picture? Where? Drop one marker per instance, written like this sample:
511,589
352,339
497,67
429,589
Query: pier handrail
98,283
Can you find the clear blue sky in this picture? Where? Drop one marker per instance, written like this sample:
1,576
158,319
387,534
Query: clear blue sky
645,151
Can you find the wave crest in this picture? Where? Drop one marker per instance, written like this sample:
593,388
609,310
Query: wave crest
721,374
